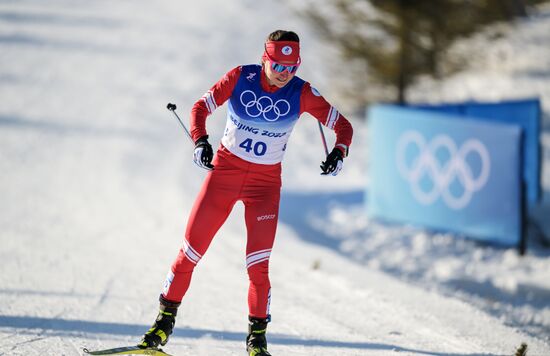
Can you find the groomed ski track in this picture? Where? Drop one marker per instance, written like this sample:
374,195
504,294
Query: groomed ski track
97,182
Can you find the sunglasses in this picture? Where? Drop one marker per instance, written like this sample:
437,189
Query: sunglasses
279,68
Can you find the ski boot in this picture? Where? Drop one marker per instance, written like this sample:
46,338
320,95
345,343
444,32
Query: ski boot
256,343
159,333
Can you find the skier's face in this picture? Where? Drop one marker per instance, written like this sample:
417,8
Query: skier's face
279,79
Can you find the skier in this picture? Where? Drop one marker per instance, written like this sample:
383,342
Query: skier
265,101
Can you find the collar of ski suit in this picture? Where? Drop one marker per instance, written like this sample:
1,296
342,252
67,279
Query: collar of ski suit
265,83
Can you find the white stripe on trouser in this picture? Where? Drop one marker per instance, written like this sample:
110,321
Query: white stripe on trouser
257,257
168,282
268,302
190,253
332,117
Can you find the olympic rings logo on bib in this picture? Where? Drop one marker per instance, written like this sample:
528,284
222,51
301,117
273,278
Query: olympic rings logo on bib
264,105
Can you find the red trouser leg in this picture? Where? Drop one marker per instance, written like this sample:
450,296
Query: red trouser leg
209,212
261,214
258,186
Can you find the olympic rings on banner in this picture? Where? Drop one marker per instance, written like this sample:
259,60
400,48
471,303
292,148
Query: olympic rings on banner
455,168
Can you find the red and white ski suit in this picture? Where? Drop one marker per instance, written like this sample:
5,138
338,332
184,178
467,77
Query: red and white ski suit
247,173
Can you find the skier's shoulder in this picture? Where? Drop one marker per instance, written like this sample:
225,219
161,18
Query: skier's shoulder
309,92
300,81
248,72
250,68
303,83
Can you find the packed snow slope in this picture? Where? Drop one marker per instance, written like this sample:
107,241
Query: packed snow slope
96,182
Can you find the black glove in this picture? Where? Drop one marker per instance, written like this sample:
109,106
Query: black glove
203,153
333,163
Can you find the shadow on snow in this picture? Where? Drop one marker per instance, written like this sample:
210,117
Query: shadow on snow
298,209
63,327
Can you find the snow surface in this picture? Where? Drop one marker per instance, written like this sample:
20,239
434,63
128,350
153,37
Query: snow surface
97,182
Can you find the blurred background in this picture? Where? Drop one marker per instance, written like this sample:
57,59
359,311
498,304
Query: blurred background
97,180
390,47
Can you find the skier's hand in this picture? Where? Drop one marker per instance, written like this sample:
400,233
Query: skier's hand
203,153
333,164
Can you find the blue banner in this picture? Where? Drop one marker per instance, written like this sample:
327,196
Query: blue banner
524,113
452,174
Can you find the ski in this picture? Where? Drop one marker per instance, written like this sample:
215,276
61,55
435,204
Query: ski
128,350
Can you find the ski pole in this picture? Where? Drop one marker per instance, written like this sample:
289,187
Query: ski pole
172,108
323,137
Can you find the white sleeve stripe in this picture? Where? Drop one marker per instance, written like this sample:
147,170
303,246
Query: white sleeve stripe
206,103
332,117
208,98
212,101
328,116
346,148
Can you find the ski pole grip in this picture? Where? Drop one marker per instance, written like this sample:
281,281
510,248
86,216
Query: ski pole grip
171,106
